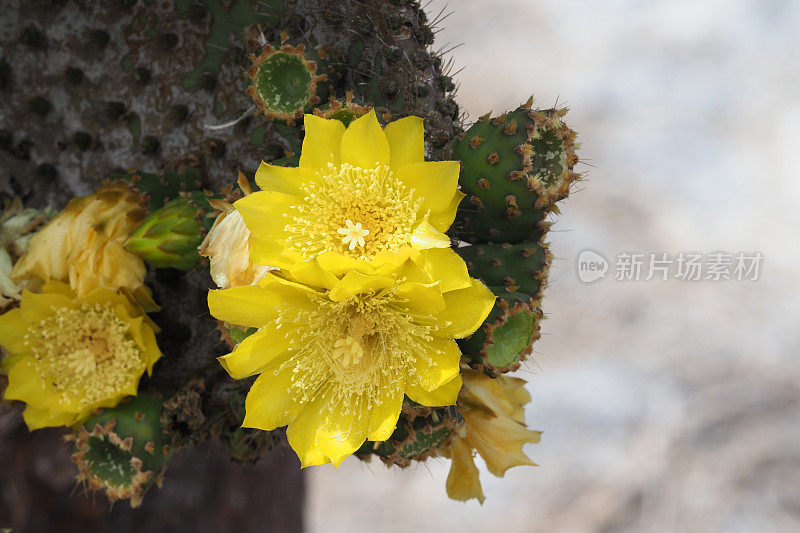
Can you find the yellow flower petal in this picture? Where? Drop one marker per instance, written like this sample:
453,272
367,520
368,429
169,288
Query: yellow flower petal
463,481
442,220
444,265
337,264
437,365
499,440
269,403
37,418
425,299
342,431
35,306
151,352
256,352
25,384
356,283
466,310
302,432
447,394
103,296
310,272
364,143
406,141
322,142
58,287
383,418
429,180
12,332
248,305
505,396
264,213
273,281
286,180
426,236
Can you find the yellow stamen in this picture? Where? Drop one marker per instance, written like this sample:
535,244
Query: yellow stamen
85,353
384,208
359,348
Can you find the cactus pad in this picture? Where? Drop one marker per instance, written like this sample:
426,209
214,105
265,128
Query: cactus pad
514,167
521,267
506,336
283,82
122,450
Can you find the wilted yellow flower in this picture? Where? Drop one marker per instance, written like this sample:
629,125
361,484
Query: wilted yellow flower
227,246
83,246
362,198
70,354
335,361
494,425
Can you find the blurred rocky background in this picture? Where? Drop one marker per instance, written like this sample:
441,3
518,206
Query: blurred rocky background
665,405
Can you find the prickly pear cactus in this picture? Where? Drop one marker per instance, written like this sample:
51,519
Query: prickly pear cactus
169,89
122,451
515,167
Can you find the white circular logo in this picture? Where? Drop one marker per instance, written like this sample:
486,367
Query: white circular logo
591,266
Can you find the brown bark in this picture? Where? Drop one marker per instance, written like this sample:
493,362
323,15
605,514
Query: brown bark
203,490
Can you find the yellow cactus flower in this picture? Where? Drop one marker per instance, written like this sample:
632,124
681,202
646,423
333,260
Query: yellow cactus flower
83,246
70,354
227,245
336,360
362,198
494,425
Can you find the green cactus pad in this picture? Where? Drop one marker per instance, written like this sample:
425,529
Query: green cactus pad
283,82
123,450
479,223
506,336
514,168
419,433
169,237
521,267
162,187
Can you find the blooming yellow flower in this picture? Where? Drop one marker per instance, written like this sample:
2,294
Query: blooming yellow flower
70,354
83,245
227,246
494,425
362,198
336,360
